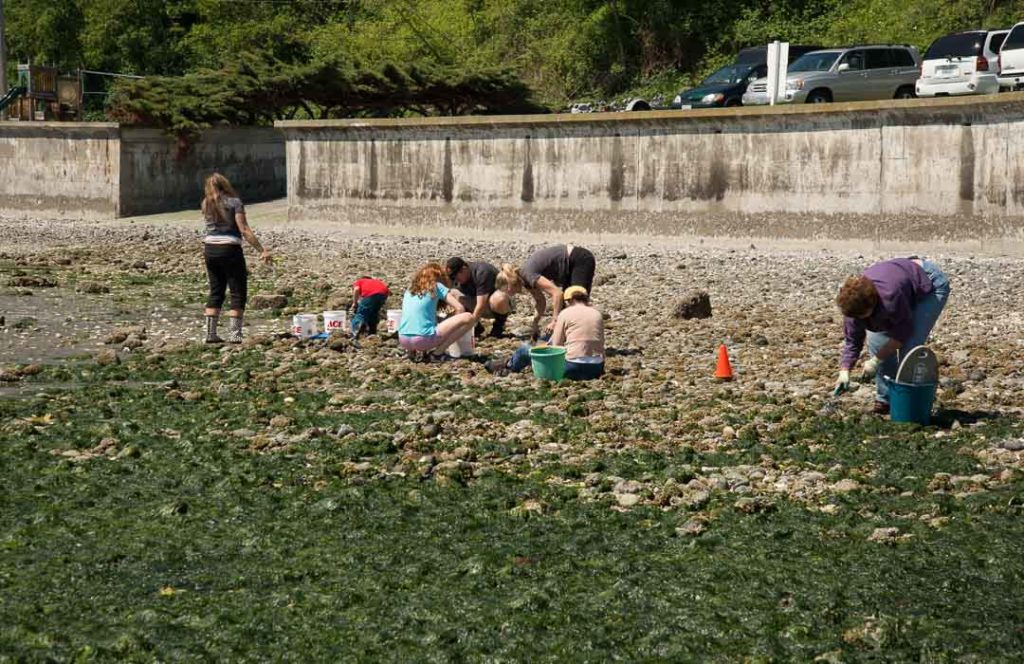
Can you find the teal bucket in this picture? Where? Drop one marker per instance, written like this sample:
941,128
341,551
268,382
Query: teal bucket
910,403
548,362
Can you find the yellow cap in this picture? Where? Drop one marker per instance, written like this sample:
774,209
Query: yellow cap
573,290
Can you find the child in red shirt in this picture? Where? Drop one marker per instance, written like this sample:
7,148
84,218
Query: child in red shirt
368,296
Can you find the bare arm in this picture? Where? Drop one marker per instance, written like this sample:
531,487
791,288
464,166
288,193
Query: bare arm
250,237
453,301
549,288
355,297
481,305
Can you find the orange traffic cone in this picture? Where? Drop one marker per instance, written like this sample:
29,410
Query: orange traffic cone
724,370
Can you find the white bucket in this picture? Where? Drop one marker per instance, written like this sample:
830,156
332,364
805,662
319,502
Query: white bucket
304,325
394,319
464,345
334,321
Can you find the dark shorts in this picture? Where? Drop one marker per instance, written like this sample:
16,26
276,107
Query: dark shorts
225,269
581,269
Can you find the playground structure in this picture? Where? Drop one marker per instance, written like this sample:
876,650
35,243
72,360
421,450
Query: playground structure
43,94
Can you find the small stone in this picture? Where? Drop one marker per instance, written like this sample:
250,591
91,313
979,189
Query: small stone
431,430
728,433
344,430
1013,445
106,358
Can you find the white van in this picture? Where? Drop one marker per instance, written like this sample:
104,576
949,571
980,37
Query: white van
965,63
1011,60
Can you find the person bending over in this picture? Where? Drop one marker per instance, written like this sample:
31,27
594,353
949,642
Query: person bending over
549,271
368,296
474,285
580,328
419,332
226,225
895,305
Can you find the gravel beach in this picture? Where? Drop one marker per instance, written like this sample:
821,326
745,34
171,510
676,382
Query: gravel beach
772,306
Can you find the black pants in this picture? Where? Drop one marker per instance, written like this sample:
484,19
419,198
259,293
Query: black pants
581,269
225,268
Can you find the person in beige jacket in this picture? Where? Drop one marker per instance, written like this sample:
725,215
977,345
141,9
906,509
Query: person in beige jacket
580,329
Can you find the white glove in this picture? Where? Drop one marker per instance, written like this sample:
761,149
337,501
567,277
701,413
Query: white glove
870,369
843,383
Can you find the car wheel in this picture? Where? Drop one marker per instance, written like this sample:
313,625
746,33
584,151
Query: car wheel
905,93
729,103
819,97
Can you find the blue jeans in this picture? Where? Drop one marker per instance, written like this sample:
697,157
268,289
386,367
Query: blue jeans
926,312
573,370
368,313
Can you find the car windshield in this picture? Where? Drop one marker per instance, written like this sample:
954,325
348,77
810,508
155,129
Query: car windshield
968,43
729,75
820,61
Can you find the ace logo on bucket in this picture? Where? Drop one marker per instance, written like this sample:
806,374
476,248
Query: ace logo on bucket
334,321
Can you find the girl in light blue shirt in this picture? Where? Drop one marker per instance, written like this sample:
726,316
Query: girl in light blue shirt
419,331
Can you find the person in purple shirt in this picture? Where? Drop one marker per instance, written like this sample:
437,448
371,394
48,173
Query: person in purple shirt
894,304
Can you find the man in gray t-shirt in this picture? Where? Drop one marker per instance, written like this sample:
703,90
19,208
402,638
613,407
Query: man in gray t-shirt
550,271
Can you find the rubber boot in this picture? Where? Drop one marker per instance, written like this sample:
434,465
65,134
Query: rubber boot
235,333
498,327
211,330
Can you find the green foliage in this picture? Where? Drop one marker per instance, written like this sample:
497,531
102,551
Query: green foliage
254,90
563,50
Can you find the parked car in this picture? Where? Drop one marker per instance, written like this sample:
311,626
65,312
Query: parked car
1011,60
965,63
725,87
855,73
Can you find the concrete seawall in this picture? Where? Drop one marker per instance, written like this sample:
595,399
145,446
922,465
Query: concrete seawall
925,169
103,170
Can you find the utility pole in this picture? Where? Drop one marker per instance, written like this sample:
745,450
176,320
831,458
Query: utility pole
3,60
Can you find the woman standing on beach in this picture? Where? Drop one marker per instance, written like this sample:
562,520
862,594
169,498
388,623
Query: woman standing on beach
226,225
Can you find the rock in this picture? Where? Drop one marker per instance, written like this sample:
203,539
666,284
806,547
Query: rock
691,528
1013,445
344,430
885,535
728,433
430,430
280,422
627,499
132,342
140,265
977,376
8,376
271,301
92,288
846,486
117,336
106,358
32,282
339,342
693,305
338,301
696,499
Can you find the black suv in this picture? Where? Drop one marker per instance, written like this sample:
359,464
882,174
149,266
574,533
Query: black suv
726,86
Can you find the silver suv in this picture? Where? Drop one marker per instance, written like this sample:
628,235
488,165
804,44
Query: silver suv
856,73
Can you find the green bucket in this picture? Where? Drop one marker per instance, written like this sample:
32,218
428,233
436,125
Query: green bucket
548,362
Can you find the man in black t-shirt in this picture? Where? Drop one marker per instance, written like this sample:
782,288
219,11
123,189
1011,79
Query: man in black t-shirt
474,282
